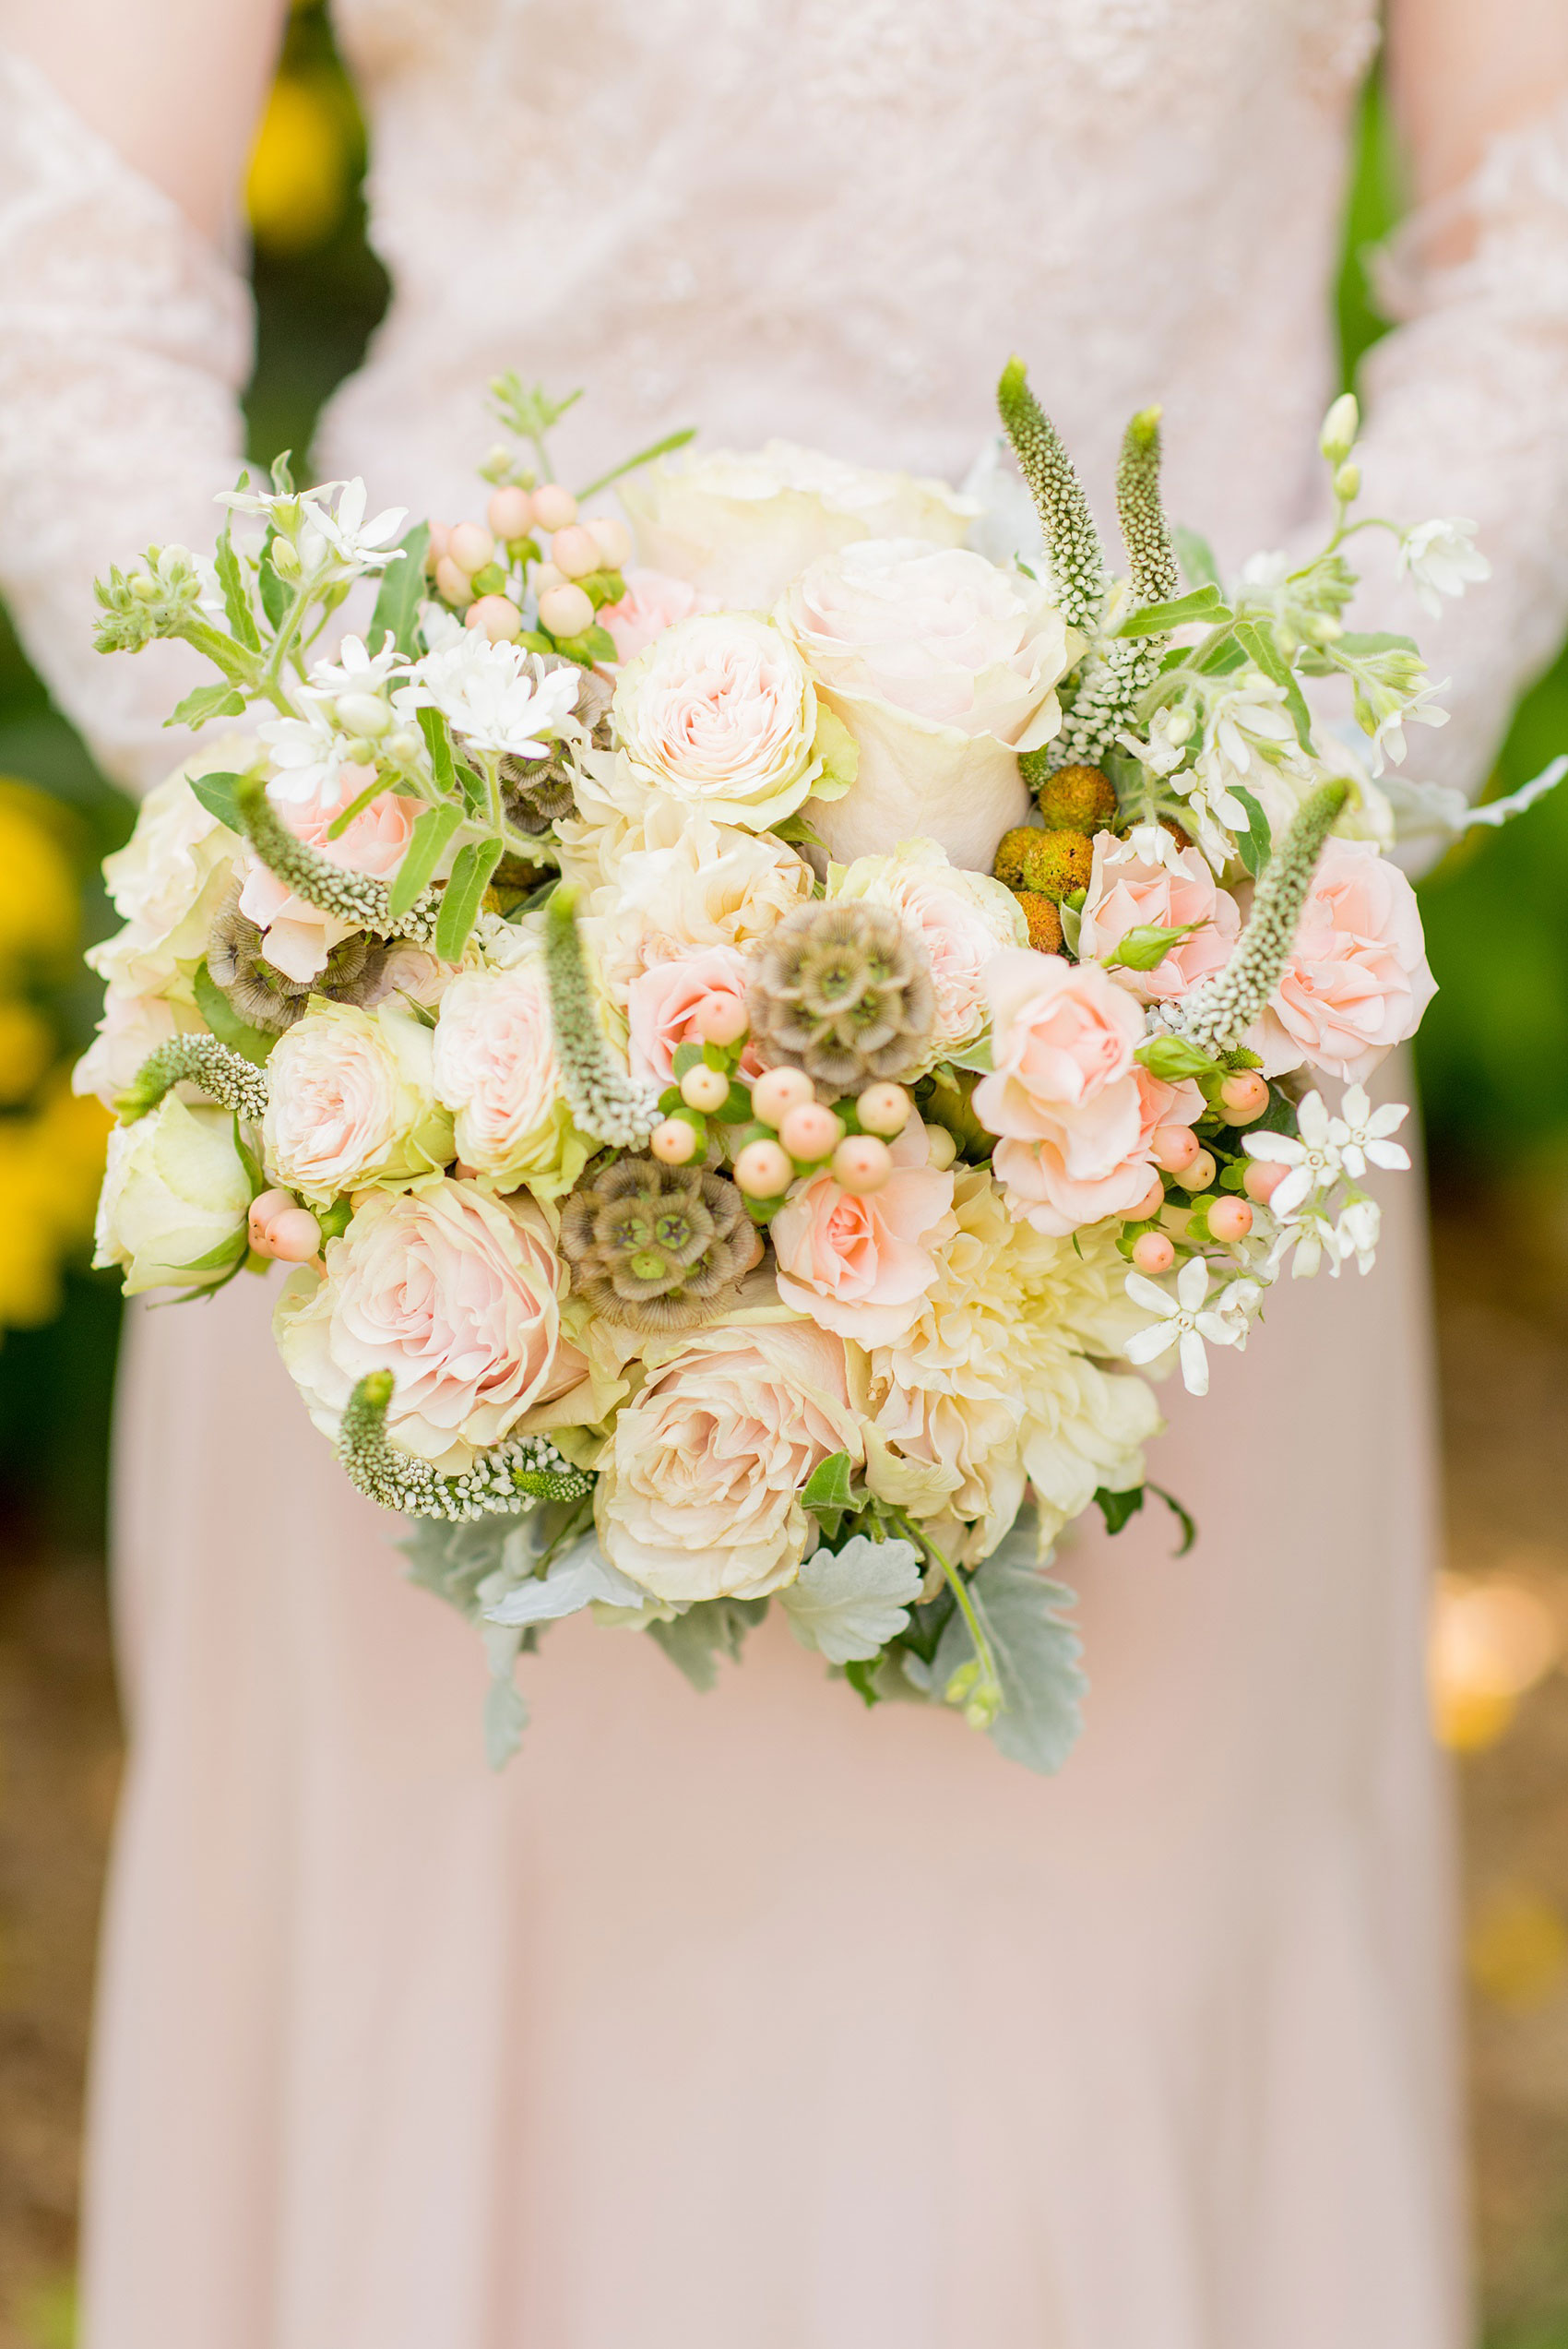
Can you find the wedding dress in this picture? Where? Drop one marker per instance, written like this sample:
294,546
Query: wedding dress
750,2020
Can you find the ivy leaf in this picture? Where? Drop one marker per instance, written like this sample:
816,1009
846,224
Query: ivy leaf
1256,845
1037,1653
1196,557
832,1484
208,701
217,794
694,1641
1205,602
422,856
847,1603
460,901
398,603
236,594
225,1022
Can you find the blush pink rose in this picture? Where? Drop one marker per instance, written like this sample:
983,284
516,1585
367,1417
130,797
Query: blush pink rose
457,1294
1057,1194
862,1266
653,602
1062,1036
299,937
1357,983
1148,881
664,1001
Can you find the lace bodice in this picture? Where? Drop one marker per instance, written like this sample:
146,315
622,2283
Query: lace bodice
831,219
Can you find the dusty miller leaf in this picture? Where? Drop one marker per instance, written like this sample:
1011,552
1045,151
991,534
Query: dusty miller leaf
694,1641
1037,1653
850,1602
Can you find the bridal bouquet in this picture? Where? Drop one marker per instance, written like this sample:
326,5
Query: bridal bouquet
748,1052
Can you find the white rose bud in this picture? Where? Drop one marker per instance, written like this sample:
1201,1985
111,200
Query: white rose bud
941,666
174,1200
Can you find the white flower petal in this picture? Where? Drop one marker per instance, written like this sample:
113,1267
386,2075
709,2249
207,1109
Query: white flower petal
1195,1363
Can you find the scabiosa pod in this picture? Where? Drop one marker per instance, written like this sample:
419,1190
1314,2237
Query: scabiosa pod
505,1481
350,897
1217,1014
604,1101
224,1076
657,1247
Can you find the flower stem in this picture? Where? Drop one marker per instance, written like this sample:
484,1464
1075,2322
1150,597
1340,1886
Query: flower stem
991,1679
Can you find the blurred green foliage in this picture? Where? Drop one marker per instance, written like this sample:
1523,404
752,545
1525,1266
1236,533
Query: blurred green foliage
1494,1050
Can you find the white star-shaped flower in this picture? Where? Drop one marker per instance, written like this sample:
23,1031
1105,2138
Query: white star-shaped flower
1359,1132
1313,1158
355,669
306,755
341,531
1181,1321
490,695
1356,1233
1439,558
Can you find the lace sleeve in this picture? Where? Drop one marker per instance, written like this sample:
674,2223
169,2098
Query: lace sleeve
124,341
1467,401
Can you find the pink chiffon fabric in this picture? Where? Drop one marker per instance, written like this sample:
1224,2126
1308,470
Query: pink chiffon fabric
753,2019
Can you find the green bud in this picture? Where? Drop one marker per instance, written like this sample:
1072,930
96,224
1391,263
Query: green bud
1339,428
1348,484
285,558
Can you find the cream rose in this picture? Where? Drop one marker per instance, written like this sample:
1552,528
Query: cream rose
457,1294
1358,981
719,714
942,667
963,918
494,1066
1147,881
351,1101
171,872
174,1200
739,528
699,1494
862,1266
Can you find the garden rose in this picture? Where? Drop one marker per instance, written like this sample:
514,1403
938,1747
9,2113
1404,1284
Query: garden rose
176,1192
1146,880
694,884
942,666
172,871
457,1294
1356,982
861,1265
298,938
1058,1193
351,1101
964,919
653,602
739,528
663,1002
494,1066
719,714
699,1494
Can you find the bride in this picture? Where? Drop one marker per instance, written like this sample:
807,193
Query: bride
744,2021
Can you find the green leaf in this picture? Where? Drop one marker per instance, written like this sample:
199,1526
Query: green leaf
208,701
1196,557
594,644
422,856
1220,658
1203,604
644,457
1358,645
396,605
225,1022
735,1109
1172,1057
861,1672
1118,1508
219,1259
438,742
460,900
275,592
1188,1523
687,1055
694,1641
847,1603
1256,845
1258,638
1146,944
217,794
282,479
977,1059
1037,1653
832,1484
236,594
